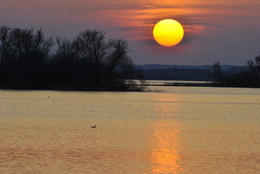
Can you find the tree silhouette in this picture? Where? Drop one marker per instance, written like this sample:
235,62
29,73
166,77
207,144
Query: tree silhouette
106,61
7,49
88,62
254,65
24,55
216,72
65,63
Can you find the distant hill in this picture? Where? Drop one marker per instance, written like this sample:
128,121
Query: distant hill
185,72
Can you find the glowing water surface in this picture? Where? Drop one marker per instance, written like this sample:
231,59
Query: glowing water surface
181,130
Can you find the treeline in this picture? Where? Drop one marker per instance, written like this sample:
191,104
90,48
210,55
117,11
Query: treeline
30,60
250,77
220,75
177,74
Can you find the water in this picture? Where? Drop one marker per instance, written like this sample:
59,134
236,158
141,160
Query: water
183,130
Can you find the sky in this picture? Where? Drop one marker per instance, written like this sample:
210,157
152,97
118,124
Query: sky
227,31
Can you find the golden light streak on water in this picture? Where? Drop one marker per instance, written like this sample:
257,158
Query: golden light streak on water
166,138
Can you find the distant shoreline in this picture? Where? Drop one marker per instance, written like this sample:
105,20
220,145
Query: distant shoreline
72,89
169,84
221,85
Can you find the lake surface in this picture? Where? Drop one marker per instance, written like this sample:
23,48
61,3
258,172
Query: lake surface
183,130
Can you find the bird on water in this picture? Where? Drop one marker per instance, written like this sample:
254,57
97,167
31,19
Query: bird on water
94,126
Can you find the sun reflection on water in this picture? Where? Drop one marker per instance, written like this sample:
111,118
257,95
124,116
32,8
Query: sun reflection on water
165,140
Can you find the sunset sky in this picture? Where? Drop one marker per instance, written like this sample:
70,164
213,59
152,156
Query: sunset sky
225,30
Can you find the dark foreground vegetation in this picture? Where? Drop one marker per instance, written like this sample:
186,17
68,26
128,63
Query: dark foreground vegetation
30,60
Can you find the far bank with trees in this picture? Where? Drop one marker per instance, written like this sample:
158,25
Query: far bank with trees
250,77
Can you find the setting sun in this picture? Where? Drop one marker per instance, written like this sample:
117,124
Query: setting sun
168,32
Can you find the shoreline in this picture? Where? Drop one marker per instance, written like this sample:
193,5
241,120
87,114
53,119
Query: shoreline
138,89
220,85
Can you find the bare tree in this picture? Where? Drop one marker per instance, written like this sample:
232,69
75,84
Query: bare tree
254,65
65,61
7,50
29,45
118,56
257,62
20,44
92,46
66,48
216,72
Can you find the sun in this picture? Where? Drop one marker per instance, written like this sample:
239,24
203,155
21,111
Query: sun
168,32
